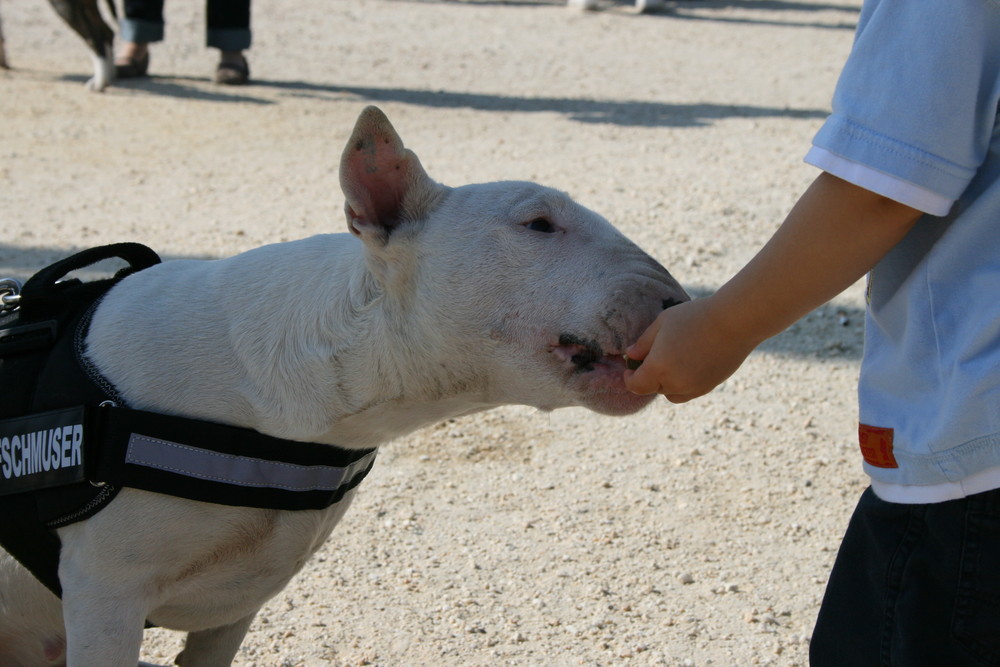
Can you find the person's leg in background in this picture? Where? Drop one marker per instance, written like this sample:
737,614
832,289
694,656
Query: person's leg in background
228,29
142,24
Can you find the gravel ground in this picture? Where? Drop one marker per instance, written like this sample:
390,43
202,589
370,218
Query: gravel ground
687,535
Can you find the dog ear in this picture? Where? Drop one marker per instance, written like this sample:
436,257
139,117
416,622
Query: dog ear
383,181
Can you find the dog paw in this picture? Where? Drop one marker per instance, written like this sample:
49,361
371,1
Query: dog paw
104,73
649,6
96,85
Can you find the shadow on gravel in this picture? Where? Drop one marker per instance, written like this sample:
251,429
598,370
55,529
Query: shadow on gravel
196,89
626,113
629,113
831,332
795,13
709,10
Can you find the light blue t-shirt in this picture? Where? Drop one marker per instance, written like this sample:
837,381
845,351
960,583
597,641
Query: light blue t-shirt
915,118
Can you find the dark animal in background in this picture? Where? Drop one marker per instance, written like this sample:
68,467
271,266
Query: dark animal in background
84,17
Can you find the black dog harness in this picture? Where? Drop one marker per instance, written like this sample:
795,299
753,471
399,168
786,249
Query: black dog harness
68,442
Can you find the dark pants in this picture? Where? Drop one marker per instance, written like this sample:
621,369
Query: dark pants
914,586
228,23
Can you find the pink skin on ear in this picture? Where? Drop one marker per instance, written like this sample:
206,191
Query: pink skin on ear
375,174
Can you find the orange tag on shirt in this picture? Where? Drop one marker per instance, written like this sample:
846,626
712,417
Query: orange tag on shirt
876,446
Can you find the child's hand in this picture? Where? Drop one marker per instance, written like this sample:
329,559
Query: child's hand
834,234
686,353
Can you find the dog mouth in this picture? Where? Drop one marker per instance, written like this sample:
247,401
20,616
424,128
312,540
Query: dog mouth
596,376
585,355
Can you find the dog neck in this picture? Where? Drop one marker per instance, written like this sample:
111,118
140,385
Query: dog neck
306,347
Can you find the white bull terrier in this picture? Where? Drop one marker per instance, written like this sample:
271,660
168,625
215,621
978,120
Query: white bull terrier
440,302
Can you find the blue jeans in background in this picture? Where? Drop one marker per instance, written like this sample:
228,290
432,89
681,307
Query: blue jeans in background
228,23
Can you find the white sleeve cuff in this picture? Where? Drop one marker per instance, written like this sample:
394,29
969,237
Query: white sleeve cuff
879,182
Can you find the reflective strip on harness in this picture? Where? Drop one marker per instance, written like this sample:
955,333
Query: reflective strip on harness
239,470
177,456
218,463
63,466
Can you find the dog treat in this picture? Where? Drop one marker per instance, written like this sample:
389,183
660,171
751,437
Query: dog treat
631,364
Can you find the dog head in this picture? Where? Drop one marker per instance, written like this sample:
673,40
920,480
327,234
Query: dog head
519,294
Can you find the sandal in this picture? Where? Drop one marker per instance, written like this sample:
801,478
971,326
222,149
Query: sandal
127,67
233,73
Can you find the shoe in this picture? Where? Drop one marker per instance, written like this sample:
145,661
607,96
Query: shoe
230,73
131,68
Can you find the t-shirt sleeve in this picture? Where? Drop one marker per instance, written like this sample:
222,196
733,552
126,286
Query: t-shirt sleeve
916,104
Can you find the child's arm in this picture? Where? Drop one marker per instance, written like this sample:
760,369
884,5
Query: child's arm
833,235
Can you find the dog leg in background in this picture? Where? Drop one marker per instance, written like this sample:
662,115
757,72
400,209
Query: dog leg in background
641,6
104,71
85,18
217,646
3,53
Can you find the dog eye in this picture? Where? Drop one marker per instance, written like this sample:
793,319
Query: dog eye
541,225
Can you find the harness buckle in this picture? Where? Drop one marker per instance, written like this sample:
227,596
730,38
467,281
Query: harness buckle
27,337
10,294
102,404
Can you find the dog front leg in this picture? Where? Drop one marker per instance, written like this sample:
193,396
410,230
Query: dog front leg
216,647
86,20
101,630
3,52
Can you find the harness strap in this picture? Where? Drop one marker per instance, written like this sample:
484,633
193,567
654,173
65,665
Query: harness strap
188,458
221,464
63,466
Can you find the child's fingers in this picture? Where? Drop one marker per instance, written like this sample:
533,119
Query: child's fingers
634,355
666,368
640,348
642,380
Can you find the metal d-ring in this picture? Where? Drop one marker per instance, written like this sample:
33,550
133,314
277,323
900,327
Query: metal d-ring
10,293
